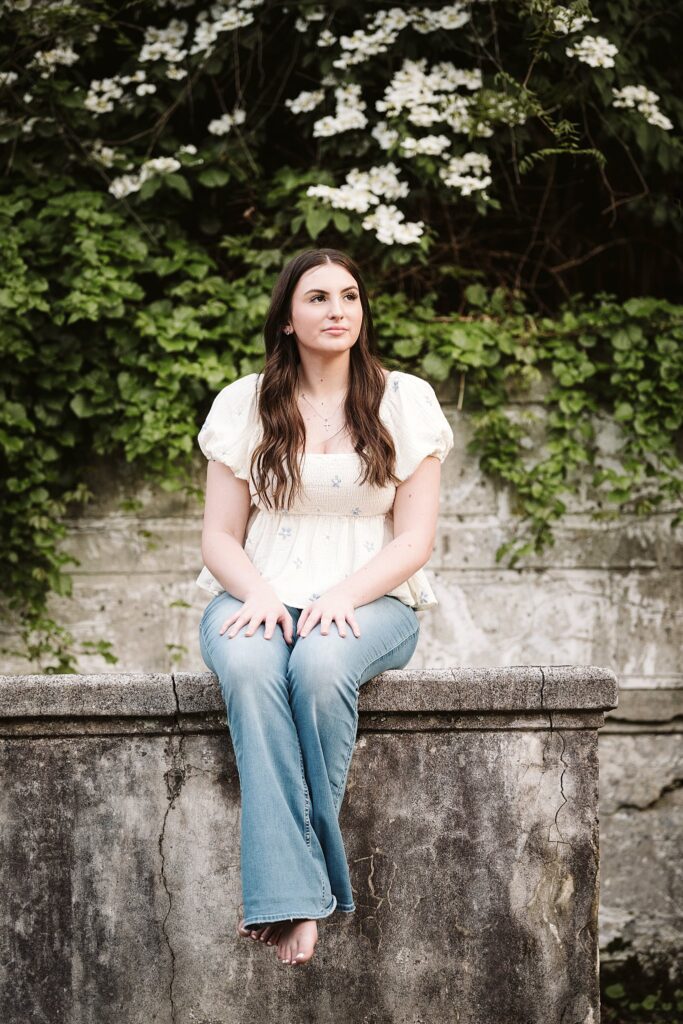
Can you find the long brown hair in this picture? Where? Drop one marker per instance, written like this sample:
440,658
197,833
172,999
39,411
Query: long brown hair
277,456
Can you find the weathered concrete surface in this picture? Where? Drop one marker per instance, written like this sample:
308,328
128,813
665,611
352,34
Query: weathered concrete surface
470,823
608,592
641,826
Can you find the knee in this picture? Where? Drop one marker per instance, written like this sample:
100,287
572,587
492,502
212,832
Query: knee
243,674
317,672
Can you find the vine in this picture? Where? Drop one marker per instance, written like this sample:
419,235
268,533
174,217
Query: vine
146,209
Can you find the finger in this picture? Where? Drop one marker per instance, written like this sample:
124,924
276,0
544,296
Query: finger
270,624
302,621
227,623
236,627
310,623
254,624
325,624
341,625
354,625
287,626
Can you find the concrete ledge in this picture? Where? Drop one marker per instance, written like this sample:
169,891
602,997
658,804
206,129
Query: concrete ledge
516,689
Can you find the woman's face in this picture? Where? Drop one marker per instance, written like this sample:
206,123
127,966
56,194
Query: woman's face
326,297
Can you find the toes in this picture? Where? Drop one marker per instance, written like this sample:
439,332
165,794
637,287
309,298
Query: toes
282,951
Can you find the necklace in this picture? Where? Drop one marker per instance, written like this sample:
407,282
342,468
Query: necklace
325,419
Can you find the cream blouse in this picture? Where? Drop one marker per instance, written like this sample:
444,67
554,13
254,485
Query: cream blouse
336,525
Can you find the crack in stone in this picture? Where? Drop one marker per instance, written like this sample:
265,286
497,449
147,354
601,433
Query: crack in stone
670,787
379,900
565,765
174,778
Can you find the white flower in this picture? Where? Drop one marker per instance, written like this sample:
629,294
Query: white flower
175,73
384,135
430,145
222,125
104,155
189,148
326,38
164,42
645,101
427,96
48,60
128,183
313,14
349,113
158,165
145,89
305,101
565,21
362,189
385,221
451,17
125,185
594,50
467,173
101,94
226,18
8,77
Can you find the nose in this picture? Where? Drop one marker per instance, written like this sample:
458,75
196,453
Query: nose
335,309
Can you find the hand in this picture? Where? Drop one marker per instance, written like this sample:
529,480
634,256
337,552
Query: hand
261,603
333,604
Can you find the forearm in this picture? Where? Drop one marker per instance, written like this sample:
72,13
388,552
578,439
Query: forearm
228,562
391,566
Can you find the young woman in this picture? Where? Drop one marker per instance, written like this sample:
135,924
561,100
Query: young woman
322,498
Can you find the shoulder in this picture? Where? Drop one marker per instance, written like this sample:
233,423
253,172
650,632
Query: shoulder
406,391
240,389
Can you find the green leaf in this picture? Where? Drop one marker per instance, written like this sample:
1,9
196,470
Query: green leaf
81,406
435,367
213,177
179,183
317,218
476,295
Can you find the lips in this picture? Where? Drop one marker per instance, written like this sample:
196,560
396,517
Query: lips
334,330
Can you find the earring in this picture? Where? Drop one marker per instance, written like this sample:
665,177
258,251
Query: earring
288,330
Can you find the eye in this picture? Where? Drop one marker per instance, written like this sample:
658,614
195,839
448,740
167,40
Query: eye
350,295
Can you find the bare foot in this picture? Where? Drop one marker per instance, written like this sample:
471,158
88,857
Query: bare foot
296,941
267,934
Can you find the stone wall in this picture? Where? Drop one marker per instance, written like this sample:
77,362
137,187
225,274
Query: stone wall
470,822
607,593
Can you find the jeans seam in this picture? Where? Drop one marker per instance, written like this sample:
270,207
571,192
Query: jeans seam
307,819
347,762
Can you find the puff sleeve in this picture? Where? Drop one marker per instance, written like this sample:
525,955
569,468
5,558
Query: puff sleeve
231,426
417,423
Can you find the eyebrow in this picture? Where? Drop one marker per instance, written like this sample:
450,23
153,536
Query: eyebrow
347,289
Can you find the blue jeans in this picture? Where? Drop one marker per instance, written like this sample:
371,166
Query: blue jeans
292,716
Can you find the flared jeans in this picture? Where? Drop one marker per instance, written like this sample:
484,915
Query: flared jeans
292,714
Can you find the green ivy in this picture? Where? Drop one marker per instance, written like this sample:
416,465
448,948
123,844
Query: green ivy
117,347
